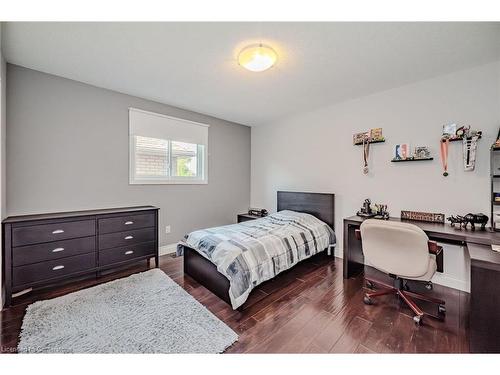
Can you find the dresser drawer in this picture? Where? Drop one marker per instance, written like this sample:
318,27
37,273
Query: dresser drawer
52,250
124,223
126,238
52,232
122,254
52,269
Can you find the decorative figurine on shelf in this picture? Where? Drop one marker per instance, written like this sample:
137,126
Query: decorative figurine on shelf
471,219
366,210
381,212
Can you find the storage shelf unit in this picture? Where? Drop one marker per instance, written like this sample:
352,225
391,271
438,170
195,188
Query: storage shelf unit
494,175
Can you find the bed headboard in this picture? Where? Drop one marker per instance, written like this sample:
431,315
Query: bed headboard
320,205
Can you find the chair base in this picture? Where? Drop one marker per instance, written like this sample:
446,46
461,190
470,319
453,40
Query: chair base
406,296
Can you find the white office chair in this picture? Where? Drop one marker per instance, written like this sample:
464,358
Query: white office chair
403,251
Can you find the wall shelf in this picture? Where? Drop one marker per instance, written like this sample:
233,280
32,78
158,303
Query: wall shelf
461,138
376,141
418,159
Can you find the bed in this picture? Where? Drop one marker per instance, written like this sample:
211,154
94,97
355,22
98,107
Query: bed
231,260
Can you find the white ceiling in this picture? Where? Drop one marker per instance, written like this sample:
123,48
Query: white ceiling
193,65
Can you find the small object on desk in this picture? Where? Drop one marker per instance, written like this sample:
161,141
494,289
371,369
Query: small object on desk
495,248
422,216
381,212
366,210
471,219
456,220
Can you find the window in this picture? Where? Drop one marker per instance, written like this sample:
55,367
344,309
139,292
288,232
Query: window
166,150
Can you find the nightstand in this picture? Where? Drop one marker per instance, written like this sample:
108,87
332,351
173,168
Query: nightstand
247,217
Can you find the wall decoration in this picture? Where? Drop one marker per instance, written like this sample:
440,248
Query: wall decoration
469,138
419,153
376,133
365,138
444,146
358,138
422,216
402,151
471,219
366,153
372,136
449,130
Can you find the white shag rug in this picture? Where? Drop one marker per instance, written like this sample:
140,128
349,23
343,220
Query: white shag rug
143,313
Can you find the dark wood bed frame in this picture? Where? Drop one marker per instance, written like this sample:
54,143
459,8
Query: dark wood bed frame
320,205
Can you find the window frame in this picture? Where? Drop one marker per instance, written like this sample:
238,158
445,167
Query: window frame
202,163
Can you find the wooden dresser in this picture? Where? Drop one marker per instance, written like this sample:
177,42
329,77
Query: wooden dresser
50,249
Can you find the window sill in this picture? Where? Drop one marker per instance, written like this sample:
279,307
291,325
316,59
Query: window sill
168,182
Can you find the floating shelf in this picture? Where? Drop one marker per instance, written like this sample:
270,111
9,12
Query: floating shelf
461,139
401,160
377,141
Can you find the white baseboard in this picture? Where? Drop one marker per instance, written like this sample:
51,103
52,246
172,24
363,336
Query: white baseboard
168,249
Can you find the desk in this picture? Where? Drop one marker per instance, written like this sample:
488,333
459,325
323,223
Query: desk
484,316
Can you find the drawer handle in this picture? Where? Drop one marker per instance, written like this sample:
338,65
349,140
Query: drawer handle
57,231
57,268
129,222
129,252
58,249
129,237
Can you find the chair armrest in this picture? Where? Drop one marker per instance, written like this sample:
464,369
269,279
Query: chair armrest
437,250
434,248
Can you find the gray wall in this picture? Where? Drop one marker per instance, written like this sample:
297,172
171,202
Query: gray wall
67,149
313,152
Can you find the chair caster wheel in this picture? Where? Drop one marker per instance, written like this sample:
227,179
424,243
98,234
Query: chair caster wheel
367,300
369,284
428,286
441,309
417,319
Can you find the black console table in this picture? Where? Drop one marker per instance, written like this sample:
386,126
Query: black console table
49,249
484,318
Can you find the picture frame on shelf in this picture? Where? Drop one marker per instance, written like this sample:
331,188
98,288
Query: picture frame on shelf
358,138
421,152
402,151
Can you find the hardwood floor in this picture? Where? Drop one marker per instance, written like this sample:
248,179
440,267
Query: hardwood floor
309,309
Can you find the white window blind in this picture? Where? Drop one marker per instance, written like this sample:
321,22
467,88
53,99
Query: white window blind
166,149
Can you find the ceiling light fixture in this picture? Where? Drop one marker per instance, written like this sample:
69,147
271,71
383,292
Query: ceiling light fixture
257,57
